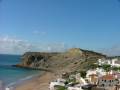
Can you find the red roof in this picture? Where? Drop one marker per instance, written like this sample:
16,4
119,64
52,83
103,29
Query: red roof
108,77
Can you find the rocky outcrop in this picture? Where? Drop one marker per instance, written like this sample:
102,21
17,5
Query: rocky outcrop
69,60
35,60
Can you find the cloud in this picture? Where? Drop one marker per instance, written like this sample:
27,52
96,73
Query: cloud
13,46
10,45
112,51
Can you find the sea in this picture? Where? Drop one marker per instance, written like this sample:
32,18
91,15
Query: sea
12,75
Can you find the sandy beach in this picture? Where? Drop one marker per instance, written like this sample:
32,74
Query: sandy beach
38,83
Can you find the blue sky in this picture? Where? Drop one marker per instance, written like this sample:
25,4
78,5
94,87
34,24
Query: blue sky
53,24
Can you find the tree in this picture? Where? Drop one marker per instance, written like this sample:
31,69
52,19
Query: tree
83,74
60,88
115,68
118,68
106,67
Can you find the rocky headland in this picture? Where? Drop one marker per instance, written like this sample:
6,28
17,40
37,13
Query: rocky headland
71,60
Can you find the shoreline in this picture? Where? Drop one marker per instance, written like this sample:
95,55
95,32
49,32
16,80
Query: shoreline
22,81
38,83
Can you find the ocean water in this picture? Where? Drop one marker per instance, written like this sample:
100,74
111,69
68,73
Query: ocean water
9,74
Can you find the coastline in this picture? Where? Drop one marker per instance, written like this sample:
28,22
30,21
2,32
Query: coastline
22,81
38,83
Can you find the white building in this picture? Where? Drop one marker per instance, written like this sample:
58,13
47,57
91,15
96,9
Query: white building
108,81
97,71
113,62
90,72
100,72
104,61
76,87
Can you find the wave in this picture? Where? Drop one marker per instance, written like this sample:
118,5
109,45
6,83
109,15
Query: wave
21,81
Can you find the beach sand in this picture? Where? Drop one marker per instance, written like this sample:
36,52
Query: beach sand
38,83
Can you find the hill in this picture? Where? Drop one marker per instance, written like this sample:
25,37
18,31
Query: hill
71,60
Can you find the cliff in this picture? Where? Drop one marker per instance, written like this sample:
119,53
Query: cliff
73,59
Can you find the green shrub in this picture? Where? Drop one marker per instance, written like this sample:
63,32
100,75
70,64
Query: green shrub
83,74
60,88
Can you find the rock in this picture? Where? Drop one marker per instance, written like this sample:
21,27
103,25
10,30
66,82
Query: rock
35,59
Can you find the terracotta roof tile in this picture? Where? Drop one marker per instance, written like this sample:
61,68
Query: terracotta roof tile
108,77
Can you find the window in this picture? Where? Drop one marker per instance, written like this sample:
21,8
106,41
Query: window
102,85
109,84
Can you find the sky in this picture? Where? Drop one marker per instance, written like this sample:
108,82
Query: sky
56,25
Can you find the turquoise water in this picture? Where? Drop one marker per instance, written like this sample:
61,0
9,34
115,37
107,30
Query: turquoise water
10,74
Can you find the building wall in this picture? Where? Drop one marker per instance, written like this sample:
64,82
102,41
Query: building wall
107,83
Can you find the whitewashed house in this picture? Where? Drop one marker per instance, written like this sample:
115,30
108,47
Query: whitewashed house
76,87
113,62
108,81
90,72
93,75
100,72
104,61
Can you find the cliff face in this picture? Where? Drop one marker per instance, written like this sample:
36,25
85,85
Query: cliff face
36,59
67,61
